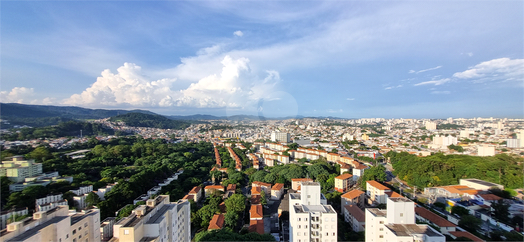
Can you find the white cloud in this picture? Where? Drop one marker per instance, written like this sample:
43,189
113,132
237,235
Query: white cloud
334,111
429,69
350,99
235,87
392,87
238,33
497,69
18,95
440,92
435,82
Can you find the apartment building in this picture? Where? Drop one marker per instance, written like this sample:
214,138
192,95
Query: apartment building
343,182
485,150
18,169
310,219
5,215
266,187
376,192
397,223
353,197
158,220
49,202
56,224
276,191
295,183
280,137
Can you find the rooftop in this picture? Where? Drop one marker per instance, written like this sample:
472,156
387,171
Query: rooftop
432,217
377,212
352,194
409,229
356,212
481,182
314,208
377,185
344,176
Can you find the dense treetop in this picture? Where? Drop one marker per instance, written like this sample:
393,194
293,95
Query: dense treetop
150,120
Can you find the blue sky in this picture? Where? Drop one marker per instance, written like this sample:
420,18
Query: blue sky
352,59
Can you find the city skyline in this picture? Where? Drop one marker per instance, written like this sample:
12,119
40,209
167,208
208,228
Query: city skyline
278,59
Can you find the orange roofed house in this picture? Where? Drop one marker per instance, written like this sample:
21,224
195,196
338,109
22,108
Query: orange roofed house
211,189
196,192
217,222
276,191
343,182
376,192
266,187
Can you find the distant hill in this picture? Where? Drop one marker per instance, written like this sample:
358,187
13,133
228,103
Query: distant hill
45,115
69,128
194,117
150,120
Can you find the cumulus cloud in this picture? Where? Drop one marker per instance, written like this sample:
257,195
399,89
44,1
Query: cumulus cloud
18,95
493,70
236,86
238,33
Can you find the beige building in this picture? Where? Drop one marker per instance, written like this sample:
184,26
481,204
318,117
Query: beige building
158,220
18,169
343,182
480,184
5,215
55,225
376,192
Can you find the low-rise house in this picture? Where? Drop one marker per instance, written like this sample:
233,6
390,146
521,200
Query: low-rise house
256,212
266,187
276,191
196,192
358,170
213,189
217,222
426,216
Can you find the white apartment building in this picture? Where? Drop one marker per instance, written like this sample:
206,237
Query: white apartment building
397,223
49,202
513,143
444,141
55,225
485,150
376,192
310,219
18,169
158,220
5,215
101,192
280,137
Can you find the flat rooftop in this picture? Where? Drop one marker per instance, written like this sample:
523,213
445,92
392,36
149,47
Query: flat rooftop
400,199
481,182
159,215
377,212
409,229
314,208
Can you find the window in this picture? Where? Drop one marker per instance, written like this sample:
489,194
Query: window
381,222
381,229
298,233
67,236
306,226
299,226
401,215
74,231
305,219
304,233
80,228
381,236
85,225
333,233
126,231
308,196
298,219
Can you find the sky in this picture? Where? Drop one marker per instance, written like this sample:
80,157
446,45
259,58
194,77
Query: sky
348,59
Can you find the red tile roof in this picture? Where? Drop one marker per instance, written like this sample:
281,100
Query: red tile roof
231,187
356,212
344,176
255,199
393,194
352,194
256,226
465,234
217,222
255,190
263,184
195,190
490,197
256,211
377,185
217,187
301,179
437,220
277,186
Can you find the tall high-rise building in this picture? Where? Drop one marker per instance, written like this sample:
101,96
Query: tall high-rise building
310,218
397,223
431,125
280,137
158,220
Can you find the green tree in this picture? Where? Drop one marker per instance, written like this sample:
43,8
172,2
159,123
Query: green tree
92,199
206,214
230,219
263,198
460,211
501,210
470,223
236,203
41,153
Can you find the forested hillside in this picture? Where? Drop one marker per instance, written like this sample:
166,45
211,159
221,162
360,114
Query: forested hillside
69,128
43,115
150,120
442,170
